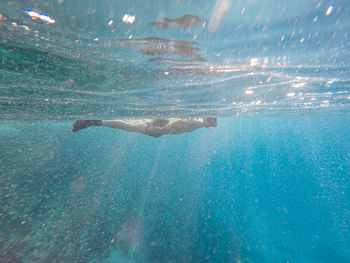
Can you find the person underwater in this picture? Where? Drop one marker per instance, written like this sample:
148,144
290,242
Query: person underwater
150,127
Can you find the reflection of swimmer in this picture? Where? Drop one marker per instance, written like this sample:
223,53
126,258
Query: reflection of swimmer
158,46
151,127
181,22
177,61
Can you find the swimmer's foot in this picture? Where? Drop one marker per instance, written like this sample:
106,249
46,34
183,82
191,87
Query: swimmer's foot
82,124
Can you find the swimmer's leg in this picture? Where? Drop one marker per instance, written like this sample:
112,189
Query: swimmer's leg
82,124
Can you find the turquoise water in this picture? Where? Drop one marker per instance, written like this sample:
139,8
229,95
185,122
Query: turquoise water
269,184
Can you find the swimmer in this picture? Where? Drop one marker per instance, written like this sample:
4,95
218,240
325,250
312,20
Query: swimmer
151,127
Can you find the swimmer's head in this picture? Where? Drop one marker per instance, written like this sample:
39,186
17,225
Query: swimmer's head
210,122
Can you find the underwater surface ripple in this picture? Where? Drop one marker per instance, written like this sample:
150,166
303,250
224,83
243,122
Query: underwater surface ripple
89,64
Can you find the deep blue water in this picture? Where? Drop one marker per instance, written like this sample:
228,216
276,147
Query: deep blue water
272,189
270,183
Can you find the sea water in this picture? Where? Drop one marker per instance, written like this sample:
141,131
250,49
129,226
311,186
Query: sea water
270,183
